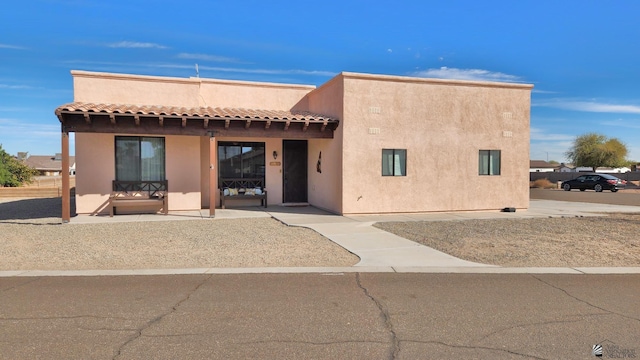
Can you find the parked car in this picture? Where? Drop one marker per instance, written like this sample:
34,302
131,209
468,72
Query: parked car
597,182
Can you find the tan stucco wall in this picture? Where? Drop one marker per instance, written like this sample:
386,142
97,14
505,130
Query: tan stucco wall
109,88
442,125
183,172
95,159
95,169
325,188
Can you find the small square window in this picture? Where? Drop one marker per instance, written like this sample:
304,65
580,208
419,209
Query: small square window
489,162
394,162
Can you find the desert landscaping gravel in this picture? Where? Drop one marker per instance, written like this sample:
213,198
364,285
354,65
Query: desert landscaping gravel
612,240
32,238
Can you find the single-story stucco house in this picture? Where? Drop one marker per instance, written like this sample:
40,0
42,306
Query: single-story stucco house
49,165
358,144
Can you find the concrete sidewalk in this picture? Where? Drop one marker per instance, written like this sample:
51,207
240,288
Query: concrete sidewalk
379,251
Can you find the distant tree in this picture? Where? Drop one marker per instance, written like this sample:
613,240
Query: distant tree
595,150
553,162
13,172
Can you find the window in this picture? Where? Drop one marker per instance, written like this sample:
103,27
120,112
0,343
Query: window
241,160
489,162
140,158
394,162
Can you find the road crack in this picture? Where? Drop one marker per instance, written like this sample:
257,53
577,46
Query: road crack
476,348
542,323
585,301
395,342
159,318
20,285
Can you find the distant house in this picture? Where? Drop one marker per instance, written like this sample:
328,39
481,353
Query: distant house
48,165
623,169
541,166
566,168
572,168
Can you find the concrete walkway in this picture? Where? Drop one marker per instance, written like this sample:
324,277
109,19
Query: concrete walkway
379,251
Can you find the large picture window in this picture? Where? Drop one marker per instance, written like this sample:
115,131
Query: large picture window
394,162
489,162
140,158
241,160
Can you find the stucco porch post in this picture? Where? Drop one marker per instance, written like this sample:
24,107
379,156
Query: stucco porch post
66,190
213,175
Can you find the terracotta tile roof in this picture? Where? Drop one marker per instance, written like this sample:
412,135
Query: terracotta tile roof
200,112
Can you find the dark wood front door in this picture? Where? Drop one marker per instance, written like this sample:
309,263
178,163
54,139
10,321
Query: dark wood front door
294,171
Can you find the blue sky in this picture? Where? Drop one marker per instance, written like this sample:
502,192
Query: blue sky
582,56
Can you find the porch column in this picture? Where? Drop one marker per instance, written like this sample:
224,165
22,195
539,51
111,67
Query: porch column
66,190
213,175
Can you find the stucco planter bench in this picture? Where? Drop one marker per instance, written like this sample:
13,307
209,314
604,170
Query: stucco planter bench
242,189
139,194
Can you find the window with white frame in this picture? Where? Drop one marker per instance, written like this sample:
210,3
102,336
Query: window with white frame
489,162
140,158
394,162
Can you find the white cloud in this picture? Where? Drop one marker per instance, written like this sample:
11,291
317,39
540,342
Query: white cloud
127,67
14,47
15,87
253,71
540,134
588,106
466,74
536,91
136,45
631,124
549,146
205,57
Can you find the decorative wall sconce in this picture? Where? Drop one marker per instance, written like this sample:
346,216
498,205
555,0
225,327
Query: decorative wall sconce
275,155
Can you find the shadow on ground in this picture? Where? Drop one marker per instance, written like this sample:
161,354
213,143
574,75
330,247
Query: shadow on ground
33,209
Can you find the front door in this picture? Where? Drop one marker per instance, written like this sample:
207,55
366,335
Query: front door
294,171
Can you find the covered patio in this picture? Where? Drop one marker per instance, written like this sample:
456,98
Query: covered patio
212,122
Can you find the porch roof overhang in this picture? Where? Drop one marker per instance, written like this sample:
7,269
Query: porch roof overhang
197,121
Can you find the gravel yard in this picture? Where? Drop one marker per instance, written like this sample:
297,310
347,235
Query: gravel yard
32,238
612,240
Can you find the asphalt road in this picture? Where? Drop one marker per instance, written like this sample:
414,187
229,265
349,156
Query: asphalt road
622,197
320,316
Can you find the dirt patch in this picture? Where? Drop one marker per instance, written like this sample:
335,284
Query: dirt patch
547,242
